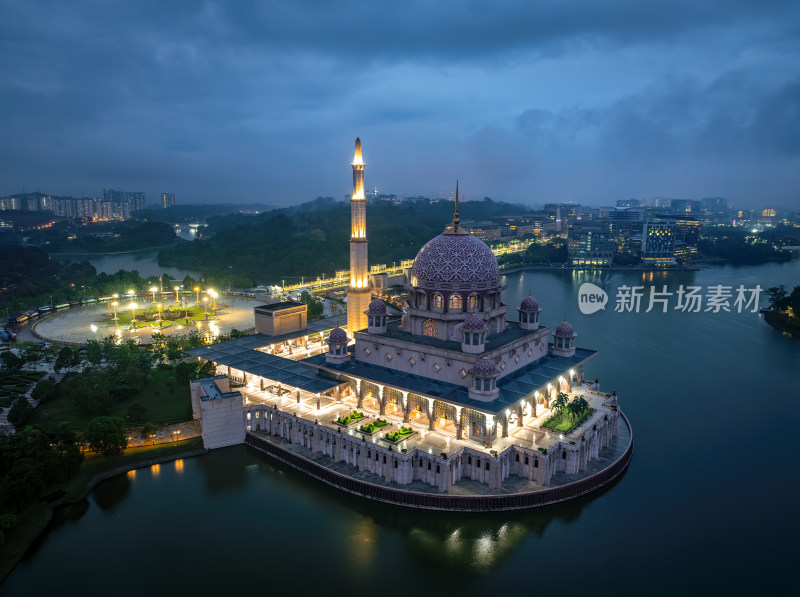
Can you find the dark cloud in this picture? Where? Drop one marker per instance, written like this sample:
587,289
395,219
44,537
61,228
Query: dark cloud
524,101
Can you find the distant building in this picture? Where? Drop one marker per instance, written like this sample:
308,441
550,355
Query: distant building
658,242
167,200
136,200
629,202
591,244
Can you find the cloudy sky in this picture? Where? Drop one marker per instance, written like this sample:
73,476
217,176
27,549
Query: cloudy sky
528,101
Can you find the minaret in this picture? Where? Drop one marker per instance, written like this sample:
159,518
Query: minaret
359,294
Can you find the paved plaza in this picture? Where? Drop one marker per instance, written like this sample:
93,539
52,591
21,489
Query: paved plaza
95,322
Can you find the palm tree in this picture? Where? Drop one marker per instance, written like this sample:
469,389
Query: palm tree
574,409
581,405
560,402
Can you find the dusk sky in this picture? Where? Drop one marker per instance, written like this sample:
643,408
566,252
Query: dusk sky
586,101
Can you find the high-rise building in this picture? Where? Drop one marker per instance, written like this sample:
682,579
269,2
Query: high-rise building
359,293
167,200
658,242
629,202
591,243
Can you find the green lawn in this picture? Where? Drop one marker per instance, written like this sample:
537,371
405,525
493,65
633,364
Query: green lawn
564,422
145,318
164,399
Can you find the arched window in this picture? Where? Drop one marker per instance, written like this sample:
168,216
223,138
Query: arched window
422,300
430,328
492,326
437,301
455,302
474,302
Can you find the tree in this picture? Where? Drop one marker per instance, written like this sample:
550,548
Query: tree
560,402
11,361
148,430
315,307
107,435
94,353
44,391
136,413
24,481
67,358
776,295
20,412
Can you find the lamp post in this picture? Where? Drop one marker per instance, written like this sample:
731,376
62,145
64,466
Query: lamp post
205,306
114,304
213,294
133,306
197,294
176,294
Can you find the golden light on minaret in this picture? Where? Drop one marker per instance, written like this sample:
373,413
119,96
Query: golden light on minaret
358,295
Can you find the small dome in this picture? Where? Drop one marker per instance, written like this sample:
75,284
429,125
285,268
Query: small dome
473,323
338,336
564,329
377,307
484,368
529,304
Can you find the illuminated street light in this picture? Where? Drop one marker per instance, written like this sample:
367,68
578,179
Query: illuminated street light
197,292
205,306
114,304
176,294
133,306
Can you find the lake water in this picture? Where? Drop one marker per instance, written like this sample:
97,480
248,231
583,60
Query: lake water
708,504
145,263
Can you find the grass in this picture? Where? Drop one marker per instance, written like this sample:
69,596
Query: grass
564,423
351,418
374,426
176,316
399,435
33,519
165,400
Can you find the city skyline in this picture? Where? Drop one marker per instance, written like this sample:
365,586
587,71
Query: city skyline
256,103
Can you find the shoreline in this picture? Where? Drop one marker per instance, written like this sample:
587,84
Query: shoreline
781,323
43,520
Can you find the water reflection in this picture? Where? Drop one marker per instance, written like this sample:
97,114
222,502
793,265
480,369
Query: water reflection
362,544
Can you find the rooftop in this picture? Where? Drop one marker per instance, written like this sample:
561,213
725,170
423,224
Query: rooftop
513,387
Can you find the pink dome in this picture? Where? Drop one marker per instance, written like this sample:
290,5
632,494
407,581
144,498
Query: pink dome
529,304
377,307
338,336
456,262
473,323
564,329
484,368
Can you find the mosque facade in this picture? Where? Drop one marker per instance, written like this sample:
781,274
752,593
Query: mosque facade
455,382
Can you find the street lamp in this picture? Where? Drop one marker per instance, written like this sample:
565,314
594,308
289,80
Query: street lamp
214,295
205,306
133,306
114,304
176,294
197,292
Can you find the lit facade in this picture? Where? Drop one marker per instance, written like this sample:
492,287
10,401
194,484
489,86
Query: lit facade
472,381
359,292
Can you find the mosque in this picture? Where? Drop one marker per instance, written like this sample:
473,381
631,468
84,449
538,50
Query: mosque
454,386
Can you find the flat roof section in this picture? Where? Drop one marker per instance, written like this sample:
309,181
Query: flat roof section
241,354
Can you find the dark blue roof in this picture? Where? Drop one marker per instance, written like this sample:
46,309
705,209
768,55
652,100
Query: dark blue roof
513,387
241,354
